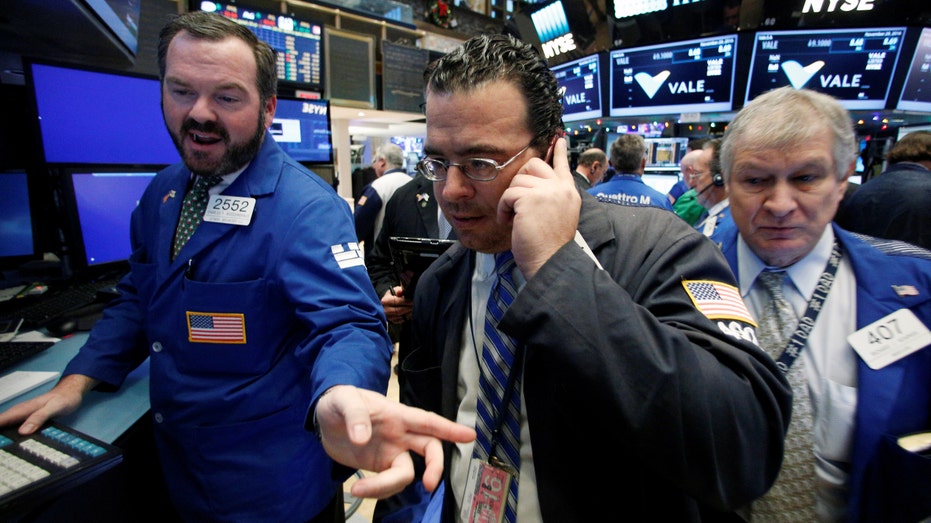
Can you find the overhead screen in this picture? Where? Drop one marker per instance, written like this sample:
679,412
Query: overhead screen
89,116
916,93
580,83
302,129
855,66
297,42
121,17
690,76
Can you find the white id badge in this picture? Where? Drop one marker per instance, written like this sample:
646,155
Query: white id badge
486,493
890,339
234,210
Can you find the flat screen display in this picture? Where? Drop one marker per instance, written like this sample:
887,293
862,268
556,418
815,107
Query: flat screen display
666,152
297,43
855,66
102,205
302,129
690,76
580,84
122,17
16,227
916,93
99,117
661,182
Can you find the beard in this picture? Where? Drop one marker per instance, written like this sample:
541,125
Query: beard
236,156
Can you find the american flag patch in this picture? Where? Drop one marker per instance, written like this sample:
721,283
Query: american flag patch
348,256
718,301
215,327
905,291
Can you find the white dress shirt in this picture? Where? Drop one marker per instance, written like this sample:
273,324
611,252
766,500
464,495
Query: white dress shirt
830,362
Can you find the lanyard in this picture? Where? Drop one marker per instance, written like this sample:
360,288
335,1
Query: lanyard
513,373
805,325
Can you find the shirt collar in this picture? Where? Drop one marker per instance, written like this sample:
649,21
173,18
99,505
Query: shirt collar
803,274
718,207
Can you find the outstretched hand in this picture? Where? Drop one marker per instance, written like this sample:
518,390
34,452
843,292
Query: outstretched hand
364,429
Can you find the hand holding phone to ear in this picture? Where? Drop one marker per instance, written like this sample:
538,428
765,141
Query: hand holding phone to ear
543,204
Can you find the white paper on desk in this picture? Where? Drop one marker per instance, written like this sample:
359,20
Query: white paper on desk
35,336
21,381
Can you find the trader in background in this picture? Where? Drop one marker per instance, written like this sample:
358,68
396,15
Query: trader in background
370,209
686,205
711,193
246,321
846,317
629,158
614,362
593,162
896,204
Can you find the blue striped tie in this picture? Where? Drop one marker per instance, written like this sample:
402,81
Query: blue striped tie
495,366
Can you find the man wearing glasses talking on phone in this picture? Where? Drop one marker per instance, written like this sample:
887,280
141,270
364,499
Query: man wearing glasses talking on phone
600,351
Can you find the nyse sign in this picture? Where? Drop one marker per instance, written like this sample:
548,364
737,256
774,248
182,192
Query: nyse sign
558,46
830,6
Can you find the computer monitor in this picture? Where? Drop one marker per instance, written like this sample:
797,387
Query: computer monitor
666,153
121,17
681,77
98,204
916,93
302,128
661,182
580,84
18,229
96,116
856,66
298,43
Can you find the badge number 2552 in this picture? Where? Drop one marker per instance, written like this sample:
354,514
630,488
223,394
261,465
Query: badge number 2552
233,210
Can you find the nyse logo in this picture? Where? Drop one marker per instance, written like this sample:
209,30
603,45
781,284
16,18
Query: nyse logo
798,75
560,45
820,6
651,84
309,108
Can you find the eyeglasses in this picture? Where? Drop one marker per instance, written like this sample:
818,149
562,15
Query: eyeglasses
695,176
478,169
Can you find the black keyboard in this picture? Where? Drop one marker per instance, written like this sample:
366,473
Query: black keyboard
58,303
36,468
13,352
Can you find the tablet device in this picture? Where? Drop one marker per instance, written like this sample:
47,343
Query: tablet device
412,256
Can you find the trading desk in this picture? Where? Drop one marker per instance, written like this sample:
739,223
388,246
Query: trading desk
118,418
103,415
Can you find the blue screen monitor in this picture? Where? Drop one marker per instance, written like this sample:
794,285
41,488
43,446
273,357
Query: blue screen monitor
298,43
302,129
691,76
99,117
100,203
580,84
855,66
17,230
121,17
916,93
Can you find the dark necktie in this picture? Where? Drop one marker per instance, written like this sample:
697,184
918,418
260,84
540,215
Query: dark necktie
192,211
792,496
495,366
